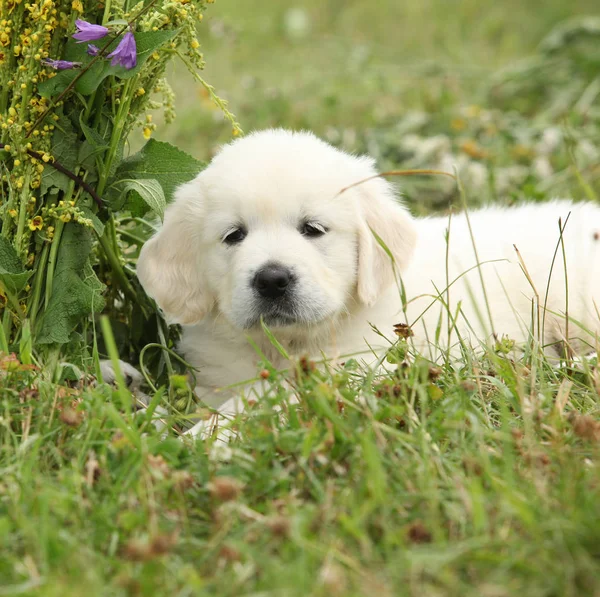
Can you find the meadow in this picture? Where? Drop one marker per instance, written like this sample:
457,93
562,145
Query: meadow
472,478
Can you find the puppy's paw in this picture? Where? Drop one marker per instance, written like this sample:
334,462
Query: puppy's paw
216,426
133,378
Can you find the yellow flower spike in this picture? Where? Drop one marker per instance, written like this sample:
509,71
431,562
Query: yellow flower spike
7,147
195,44
12,213
147,132
36,223
17,162
77,5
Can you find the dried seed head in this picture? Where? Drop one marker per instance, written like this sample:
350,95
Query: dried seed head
225,489
403,330
418,533
182,480
229,553
279,526
468,386
434,373
586,427
70,417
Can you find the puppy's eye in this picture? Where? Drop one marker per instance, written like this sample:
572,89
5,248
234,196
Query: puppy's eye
313,229
234,236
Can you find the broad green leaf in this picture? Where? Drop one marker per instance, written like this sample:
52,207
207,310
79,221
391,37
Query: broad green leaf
148,189
147,43
64,150
76,291
160,161
13,276
90,215
94,138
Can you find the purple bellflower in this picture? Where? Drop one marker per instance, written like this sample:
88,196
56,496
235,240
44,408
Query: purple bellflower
93,50
61,64
126,52
88,32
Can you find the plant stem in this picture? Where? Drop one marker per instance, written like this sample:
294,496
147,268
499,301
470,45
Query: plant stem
52,260
116,267
18,243
33,305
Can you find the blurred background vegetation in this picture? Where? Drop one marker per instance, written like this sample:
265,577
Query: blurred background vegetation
508,92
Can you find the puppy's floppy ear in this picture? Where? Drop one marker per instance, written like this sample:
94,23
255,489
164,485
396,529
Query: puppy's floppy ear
390,221
169,265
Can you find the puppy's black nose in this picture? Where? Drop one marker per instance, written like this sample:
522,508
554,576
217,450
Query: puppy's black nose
272,280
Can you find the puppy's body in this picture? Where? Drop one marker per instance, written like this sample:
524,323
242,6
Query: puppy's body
264,233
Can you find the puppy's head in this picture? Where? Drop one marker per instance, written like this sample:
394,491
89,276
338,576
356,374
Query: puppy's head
264,232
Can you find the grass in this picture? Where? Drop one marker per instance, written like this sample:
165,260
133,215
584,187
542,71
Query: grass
479,478
475,480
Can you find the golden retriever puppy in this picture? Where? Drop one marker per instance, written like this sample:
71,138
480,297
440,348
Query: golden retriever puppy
264,234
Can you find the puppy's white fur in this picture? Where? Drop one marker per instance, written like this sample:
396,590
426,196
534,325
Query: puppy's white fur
271,183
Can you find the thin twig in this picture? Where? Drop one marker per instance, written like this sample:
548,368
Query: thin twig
76,179
413,172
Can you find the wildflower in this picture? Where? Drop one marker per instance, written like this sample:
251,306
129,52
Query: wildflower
36,223
147,131
93,50
60,64
88,32
126,51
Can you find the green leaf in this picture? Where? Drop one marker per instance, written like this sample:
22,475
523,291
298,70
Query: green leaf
13,275
146,189
76,291
160,161
64,150
147,43
90,215
93,137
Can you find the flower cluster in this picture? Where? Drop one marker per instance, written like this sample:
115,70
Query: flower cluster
125,54
63,129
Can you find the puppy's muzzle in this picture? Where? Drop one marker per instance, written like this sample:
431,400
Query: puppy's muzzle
273,281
